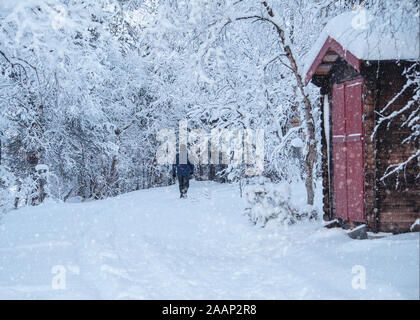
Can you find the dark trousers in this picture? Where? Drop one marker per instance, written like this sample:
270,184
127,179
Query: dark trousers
184,183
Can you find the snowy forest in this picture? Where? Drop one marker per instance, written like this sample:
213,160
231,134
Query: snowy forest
86,86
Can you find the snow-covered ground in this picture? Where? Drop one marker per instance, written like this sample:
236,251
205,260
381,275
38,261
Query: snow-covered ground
152,245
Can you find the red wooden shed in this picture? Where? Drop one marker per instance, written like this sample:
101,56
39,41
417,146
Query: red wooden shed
359,71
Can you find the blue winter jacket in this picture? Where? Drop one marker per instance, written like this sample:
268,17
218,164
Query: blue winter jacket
182,169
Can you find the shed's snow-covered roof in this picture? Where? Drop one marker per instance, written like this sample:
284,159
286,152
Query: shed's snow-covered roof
370,38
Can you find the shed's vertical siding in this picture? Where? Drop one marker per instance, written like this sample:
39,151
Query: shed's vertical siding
370,147
325,158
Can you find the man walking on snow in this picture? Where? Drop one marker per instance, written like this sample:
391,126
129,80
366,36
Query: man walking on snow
184,169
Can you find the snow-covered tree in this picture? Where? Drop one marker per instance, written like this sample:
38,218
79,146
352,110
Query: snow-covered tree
236,65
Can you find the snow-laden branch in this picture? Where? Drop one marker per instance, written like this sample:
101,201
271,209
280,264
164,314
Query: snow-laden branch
412,120
395,168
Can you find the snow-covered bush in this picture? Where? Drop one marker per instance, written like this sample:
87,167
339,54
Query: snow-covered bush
267,201
7,180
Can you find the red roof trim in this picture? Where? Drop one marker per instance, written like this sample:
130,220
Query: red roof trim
331,44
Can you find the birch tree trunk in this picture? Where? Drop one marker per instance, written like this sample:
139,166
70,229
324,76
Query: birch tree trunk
309,123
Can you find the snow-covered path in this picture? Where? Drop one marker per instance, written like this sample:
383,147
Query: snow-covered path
151,245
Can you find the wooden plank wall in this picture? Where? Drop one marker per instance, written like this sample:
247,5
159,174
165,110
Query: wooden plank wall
397,198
